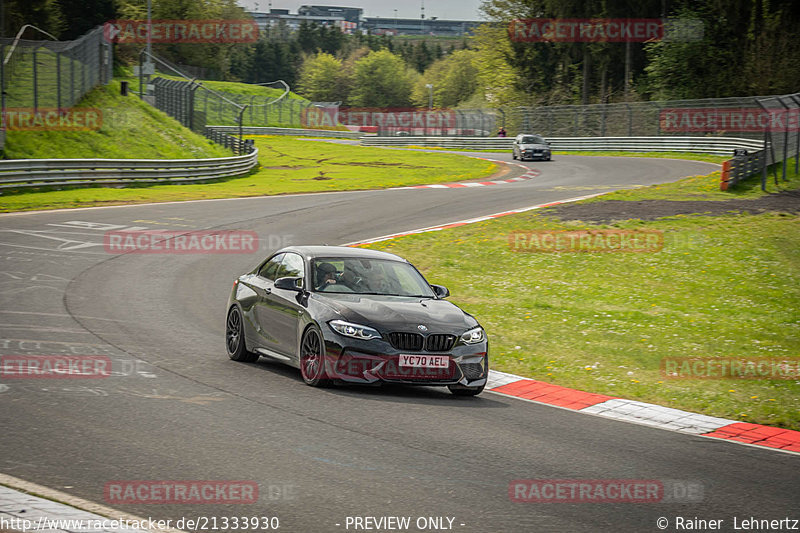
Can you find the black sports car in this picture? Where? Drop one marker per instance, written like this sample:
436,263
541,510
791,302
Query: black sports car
355,316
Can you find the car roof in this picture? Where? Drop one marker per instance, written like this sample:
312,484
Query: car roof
311,252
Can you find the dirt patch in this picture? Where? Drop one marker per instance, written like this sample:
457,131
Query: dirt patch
611,210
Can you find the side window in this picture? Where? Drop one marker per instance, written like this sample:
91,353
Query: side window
270,268
292,266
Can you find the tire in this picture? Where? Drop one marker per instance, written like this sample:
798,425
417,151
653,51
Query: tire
234,338
461,390
312,358
513,156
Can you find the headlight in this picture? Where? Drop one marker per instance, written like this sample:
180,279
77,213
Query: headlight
473,336
357,331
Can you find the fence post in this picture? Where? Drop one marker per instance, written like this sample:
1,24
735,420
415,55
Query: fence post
785,138
241,115
58,80
630,120
764,162
141,75
2,98
35,83
796,99
192,92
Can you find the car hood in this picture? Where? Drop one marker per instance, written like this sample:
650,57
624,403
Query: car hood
393,313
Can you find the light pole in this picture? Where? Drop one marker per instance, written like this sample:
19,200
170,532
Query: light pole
430,95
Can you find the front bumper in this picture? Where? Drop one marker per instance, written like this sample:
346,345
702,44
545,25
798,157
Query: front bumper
534,155
367,362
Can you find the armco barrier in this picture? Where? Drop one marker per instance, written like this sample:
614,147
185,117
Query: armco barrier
741,167
298,132
26,173
705,145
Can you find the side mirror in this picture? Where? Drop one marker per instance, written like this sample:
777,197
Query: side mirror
289,284
440,291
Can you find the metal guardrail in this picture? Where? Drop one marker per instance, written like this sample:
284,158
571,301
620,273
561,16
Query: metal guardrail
705,145
27,173
741,167
264,130
236,145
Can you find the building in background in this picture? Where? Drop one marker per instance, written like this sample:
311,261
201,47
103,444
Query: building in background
351,19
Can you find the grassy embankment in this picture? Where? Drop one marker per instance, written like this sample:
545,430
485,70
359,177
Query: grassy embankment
287,165
723,286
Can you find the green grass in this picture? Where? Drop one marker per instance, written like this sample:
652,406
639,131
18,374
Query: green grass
725,286
707,188
288,165
131,129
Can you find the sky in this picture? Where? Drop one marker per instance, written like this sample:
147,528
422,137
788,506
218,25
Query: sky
443,9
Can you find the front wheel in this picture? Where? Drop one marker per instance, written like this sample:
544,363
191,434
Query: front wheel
234,338
312,358
461,390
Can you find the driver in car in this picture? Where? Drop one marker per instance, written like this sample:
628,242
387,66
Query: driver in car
326,275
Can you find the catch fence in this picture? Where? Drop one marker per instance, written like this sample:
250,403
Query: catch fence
39,74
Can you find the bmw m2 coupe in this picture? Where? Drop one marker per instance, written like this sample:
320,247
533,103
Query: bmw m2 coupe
354,316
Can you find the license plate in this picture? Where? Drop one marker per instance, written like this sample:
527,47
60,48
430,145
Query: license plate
424,361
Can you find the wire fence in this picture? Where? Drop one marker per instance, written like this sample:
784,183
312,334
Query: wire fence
35,75
197,106
773,119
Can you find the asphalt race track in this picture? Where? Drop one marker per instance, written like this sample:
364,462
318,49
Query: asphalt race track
178,409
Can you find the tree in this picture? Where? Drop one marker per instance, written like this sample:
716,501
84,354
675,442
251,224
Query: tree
44,14
749,47
497,78
322,79
381,79
454,78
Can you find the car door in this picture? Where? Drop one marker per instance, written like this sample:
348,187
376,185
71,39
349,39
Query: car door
280,311
262,283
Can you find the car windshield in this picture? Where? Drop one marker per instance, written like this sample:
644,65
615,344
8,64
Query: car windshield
368,276
532,139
